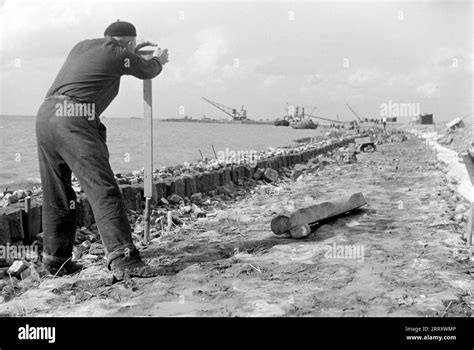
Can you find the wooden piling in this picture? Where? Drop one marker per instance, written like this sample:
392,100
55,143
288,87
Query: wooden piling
146,218
213,150
28,232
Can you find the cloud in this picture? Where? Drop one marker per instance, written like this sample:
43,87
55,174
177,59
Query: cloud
212,47
311,81
25,23
363,77
428,90
271,80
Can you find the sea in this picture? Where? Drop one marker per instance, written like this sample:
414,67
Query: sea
174,143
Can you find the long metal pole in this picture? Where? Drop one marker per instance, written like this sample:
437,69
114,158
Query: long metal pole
148,119
148,171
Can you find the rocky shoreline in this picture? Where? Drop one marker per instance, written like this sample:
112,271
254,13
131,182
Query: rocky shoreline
183,193
411,231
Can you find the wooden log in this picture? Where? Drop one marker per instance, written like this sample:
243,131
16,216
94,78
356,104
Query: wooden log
241,172
128,195
138,200
227,176
199,183
88,218
309,215
32,220
206,182
234,175
190,185
214,180
5,236
159,191
146,218
178,187
14,218
221,177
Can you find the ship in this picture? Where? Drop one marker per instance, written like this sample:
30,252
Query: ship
303,124
281,122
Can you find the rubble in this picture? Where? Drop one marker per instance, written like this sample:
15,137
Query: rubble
270,175
17,268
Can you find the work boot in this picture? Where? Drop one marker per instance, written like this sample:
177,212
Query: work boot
131,266
57,269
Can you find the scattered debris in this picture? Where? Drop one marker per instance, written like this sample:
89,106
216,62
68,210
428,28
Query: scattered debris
17,268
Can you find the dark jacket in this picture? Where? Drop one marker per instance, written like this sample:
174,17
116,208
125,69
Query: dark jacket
93,69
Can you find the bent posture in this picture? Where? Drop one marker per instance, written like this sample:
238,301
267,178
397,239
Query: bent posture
71,139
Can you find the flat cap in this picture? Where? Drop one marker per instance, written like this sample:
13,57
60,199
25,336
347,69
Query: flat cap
120,28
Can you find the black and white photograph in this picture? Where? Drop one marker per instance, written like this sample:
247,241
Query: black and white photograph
237,159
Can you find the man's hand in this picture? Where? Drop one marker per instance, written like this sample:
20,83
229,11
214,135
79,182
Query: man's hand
162,55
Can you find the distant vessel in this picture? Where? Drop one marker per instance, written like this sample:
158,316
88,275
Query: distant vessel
281,122
304,124
296,118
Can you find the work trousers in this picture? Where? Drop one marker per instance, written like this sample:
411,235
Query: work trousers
77,144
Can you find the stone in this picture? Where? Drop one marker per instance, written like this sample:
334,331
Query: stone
80,237
270,175
196,198
295,174
96,249
175,199
17,268
459,218
258,173
460,208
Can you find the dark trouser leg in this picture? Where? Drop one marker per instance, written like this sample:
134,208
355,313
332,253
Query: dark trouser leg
58,213
84,150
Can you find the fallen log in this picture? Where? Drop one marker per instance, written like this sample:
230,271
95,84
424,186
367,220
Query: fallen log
297,223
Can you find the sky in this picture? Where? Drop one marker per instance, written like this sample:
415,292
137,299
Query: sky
263,55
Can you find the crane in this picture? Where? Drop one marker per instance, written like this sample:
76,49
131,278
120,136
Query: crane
350,108
231,112
327,119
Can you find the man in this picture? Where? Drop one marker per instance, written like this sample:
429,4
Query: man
71,139
384,122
